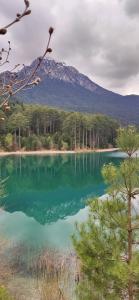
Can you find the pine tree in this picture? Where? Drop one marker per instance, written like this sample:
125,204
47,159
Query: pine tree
107,244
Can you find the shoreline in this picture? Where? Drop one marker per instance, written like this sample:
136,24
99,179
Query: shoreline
53,152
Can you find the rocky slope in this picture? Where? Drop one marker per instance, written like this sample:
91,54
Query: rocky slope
64,87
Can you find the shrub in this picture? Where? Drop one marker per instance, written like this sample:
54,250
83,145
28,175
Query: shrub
9,141
4,295
64,146
32,143
49,142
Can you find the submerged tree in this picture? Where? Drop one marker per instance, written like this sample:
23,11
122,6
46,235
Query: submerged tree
107,244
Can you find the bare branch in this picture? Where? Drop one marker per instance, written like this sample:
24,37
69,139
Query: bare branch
7,54
47,50
10,85
19,16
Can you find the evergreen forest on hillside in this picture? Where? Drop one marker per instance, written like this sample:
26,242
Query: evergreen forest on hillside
35,127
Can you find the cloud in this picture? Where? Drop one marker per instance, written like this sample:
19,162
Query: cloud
132,7
98,37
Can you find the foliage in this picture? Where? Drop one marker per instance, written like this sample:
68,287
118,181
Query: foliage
107,243
64,146
32,143
8,141
34,127
128,140
4,295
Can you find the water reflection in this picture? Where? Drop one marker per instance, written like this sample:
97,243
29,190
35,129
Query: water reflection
20,229
50,188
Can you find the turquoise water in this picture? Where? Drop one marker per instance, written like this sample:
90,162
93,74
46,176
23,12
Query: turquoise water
46,195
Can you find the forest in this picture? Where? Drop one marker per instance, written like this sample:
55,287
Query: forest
35,127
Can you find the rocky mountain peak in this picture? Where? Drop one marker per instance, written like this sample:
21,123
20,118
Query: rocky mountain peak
61,71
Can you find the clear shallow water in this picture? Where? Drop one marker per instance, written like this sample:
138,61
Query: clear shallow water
46,195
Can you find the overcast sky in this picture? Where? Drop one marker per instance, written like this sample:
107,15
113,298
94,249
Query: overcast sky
99,37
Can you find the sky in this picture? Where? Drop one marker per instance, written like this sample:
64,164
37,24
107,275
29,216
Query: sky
98,37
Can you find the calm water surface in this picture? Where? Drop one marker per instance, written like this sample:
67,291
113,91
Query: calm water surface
46,195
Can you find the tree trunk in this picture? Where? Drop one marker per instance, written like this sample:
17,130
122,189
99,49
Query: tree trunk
93,139
79,136
90,139
29,131
83,138
14,141
75,141
50,125
130,283
19,138
86,137
38,129
44,129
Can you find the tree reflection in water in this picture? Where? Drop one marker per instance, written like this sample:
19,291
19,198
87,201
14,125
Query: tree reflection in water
49,188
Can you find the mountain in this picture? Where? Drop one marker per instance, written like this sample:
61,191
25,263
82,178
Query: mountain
65,87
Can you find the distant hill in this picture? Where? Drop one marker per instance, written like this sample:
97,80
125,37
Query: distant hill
64,87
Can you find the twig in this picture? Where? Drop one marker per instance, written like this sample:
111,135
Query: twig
47,50
19,16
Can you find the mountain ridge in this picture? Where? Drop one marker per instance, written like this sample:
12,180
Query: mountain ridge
65,87
68,73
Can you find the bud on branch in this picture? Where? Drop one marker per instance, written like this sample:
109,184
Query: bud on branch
19,16
3,31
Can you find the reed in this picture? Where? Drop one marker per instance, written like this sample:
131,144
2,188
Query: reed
49,274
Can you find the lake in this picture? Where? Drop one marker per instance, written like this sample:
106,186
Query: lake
46,195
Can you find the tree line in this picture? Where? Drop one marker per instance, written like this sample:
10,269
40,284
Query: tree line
34,127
